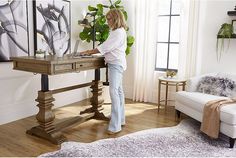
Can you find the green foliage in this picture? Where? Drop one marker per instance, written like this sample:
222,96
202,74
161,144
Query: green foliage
130,42
101,27
225,31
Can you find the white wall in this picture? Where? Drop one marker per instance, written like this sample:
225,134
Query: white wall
213,13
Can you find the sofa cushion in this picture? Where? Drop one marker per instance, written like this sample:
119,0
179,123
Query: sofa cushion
197,101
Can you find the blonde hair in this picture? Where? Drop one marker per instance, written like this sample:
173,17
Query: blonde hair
117,17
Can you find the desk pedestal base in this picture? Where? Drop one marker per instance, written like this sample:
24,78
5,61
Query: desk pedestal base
45,117
55,137
96,102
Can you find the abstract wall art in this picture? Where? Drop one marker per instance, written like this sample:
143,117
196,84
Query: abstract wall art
52,26
14,36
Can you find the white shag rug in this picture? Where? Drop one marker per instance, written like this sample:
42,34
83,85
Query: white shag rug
183,140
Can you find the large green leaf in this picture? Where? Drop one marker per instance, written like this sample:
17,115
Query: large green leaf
100,9
102,20
87,30
130,39
117,2
98,36
128,50
119,7
88,40
125,15
105,35
83,35
90,8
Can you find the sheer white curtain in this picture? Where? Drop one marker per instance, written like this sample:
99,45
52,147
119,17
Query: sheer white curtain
188,38
145,49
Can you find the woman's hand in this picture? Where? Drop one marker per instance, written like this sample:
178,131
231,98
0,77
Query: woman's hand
87,52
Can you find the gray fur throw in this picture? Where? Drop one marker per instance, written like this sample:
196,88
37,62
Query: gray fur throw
217,86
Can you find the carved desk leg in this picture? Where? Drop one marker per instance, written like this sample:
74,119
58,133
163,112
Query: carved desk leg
97,99
45,117
96,102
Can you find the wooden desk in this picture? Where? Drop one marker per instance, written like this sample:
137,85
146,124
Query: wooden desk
52,65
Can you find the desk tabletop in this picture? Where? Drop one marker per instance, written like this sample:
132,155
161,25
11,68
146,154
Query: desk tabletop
51,59
51,65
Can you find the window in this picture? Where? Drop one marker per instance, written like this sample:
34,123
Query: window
168,35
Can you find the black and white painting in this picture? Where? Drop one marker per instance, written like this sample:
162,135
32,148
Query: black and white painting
52,26
14,37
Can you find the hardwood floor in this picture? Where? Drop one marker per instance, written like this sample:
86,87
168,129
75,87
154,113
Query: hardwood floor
139,116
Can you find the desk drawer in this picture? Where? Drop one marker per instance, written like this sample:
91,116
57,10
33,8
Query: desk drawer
62,68
80,65
89,65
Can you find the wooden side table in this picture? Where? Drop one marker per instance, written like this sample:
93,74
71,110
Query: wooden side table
169,82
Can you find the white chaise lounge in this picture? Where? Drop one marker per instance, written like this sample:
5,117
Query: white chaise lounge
191,103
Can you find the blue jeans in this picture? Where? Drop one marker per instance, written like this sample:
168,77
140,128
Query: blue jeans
117,97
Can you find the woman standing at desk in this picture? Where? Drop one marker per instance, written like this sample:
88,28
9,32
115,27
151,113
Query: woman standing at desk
113,50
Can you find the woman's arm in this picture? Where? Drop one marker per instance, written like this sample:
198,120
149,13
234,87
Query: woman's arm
90,52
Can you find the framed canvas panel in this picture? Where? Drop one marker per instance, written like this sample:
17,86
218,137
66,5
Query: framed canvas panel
52,26
14,34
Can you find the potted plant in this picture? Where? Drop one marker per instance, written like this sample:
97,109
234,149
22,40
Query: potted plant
100,24
225,31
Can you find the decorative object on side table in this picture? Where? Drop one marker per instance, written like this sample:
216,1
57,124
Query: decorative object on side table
170,74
